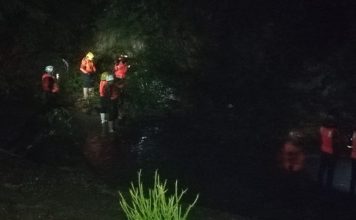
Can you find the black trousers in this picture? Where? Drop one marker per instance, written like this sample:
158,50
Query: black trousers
353,176
326,170
49,100
113,109
110,106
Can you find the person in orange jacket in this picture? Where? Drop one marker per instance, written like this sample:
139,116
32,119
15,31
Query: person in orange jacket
109,91
353,161
50,86
120,71
104,101
88,69
328,136
291,156
121,67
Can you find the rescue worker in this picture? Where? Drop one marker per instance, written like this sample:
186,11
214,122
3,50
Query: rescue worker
109,96
328,135
88,69
104,101
50,86
121,67
353,161
120,70
292,157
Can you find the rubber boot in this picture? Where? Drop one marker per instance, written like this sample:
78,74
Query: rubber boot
111,126
85,93
104,124
104,128
116,125
103,118
91,92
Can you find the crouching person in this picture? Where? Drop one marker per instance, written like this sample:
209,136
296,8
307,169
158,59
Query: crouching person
50,87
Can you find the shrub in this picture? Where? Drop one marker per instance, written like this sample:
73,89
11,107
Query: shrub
155,205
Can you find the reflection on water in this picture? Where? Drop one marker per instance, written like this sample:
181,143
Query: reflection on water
226,180
104,152
112,152
99,151
145,147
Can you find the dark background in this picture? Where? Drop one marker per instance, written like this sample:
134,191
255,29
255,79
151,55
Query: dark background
244,74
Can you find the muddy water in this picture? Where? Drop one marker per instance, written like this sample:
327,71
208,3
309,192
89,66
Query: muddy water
120,155
223,175
239,181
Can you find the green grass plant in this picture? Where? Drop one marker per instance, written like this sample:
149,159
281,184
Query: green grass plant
155,204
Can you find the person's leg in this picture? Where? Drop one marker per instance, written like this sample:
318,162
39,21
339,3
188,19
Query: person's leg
86,85
102,117
330,171
91,92
353,176
112,115
121,104
47,104
115,108
103,114
90,85
45,98
103,109
85,93
322,168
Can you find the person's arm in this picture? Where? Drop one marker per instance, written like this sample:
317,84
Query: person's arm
94,68
83,67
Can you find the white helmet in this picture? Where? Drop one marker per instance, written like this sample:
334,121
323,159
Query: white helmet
109,78
49,69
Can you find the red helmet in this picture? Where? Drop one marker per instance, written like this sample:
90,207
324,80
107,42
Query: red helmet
122,58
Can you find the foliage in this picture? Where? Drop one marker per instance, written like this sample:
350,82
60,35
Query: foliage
204,52
163,46
154,204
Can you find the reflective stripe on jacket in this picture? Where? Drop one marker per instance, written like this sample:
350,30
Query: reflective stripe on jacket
327,135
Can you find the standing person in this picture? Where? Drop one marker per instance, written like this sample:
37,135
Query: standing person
88,69
292,156
120,70
115,92
109,96
50,87
104,101
121,67
328,135
353,161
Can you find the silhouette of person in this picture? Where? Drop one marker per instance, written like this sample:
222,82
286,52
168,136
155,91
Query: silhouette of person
328,135
292,156
353,161
88,69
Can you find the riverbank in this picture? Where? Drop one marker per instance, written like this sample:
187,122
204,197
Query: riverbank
32,191
60,178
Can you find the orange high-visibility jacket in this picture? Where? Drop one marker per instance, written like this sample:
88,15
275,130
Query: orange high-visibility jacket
327,135
87,66
112,91
120,70
353,151
49,83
